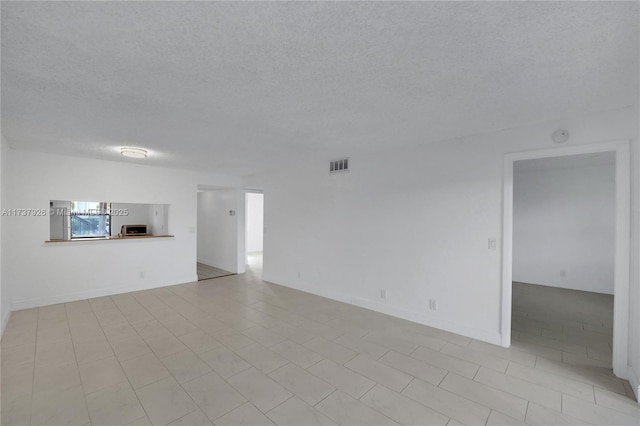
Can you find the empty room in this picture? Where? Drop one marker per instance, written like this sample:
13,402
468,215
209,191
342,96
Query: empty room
320,213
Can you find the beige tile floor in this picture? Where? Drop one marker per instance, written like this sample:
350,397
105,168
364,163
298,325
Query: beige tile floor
238,351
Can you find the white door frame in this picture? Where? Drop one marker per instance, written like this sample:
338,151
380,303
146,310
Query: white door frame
621,299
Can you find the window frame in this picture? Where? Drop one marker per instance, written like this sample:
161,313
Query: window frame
103,206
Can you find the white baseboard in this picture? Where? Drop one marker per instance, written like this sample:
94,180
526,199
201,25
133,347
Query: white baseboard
72,297
206,262
634,380
488,336
318,292
218,265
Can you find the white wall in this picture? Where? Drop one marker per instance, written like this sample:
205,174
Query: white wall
138,214
634,293
218,238
152,215
425,214
58,219
158,219
564,221
40,274
255,222
5,306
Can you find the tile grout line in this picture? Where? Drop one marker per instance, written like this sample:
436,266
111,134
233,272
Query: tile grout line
488,417
183,296
229,411
197,355
75,355
330,393
476,373
293,395
407,385
375,409
442,380
189,413
33,375
153,352
382,356
521,397
133,389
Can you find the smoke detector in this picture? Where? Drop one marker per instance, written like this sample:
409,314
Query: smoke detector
560,136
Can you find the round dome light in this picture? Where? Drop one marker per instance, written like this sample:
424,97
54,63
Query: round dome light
133,152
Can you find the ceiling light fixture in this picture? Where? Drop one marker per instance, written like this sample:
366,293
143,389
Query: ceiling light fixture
133,152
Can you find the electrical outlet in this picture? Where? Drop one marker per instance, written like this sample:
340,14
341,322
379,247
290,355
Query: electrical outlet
433,304
299,275
563,273
142,274
383,294
493,244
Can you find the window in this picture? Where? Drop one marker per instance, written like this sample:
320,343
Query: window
90,219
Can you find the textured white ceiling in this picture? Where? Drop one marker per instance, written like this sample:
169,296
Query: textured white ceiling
244,87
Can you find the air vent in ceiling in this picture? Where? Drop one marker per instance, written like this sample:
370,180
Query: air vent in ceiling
339,166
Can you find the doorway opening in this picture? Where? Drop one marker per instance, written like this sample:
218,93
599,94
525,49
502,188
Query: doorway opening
517,297
220,220
563,258
254,242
